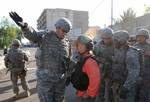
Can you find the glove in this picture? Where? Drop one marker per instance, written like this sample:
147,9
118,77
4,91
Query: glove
123,92
17,19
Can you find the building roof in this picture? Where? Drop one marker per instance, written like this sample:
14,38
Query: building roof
57,9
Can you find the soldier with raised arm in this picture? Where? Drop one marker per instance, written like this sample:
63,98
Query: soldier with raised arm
52,52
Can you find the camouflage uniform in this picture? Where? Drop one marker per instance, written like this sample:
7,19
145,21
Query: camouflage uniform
145,86
104,55
126,68
50,58
15,62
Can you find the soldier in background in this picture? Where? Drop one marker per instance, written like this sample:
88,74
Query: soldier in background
142,44
51,57
15,62
125,68
104,52
5,50
132,40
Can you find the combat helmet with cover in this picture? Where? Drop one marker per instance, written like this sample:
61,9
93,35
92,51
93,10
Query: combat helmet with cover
143,32
64,23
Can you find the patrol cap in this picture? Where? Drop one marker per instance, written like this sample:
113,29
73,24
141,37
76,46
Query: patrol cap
64,23
143,32
107,33
16,42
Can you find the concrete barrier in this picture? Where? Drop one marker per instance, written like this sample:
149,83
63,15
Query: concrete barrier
2,66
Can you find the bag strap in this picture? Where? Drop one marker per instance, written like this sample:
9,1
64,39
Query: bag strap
85,59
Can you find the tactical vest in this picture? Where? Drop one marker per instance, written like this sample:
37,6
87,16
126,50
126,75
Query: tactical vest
119,71
51,53
80,79
143,48
104,56
16,59
145,71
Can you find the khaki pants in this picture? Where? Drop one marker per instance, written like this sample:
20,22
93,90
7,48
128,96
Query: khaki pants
14,78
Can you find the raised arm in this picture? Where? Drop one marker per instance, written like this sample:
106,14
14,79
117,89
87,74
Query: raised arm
28,32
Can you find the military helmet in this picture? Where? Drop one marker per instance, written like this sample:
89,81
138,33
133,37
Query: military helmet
86,40
121,36
64,23
106,32
16,42
143,32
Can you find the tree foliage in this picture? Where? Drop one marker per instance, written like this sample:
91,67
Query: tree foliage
147,10
8,32
127,16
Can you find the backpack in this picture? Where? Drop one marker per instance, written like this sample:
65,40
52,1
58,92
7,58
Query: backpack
16,59
79,79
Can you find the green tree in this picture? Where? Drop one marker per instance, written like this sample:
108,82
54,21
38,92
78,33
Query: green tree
127,16
126,20
147,10
8,32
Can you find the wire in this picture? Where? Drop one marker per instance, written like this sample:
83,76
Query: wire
99,4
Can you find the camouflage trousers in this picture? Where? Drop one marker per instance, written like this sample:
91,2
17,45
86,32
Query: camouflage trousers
89,99
50,88
14,78
102,91
106,90
116,96
144,94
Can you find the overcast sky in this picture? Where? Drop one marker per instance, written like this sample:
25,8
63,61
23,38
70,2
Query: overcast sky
99,10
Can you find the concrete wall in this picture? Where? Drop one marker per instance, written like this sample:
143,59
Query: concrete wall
79,20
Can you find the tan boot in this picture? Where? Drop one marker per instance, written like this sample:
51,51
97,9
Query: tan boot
16,95
28,93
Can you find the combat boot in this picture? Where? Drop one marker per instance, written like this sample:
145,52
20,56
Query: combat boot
16,95
28,93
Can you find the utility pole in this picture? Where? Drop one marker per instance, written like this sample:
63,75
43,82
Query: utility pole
111,13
